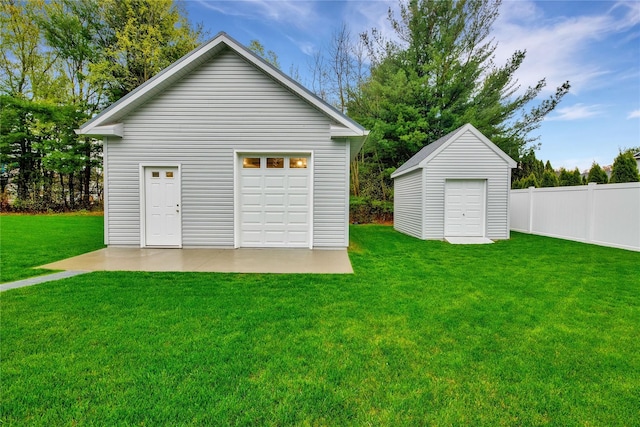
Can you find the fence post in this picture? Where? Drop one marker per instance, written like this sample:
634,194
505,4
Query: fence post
591,206
530,228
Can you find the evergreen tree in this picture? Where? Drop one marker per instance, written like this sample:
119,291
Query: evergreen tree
625,169
548,167
35,135
597,174
530,181
528,165
570,178
577,177
516,184
549,178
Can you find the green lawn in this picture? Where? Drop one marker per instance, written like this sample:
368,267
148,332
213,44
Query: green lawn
531,331
31,240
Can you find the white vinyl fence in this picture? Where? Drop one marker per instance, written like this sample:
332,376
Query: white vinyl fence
607,215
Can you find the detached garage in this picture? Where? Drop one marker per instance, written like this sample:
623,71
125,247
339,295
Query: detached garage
223,150
455,187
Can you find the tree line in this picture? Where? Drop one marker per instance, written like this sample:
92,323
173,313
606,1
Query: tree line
65,60
61,62
532,172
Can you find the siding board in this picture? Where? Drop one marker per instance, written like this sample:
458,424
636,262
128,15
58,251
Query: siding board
407,203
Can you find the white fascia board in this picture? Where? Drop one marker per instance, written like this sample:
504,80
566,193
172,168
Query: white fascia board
342,132
355,144
116,129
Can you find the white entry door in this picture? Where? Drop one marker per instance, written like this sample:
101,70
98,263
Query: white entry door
162,207
275,201
464,207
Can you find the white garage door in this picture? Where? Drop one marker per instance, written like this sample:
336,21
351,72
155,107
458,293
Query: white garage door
275,201
464,207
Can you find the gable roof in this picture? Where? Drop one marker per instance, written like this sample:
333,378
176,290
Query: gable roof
107,122
428,152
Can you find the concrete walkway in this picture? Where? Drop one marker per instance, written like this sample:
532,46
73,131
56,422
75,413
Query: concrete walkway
242,260
39,279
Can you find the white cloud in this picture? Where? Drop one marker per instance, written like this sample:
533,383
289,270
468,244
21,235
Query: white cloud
371,14
559,48
301,14
631,14
634,115
577,112
363,16
305,47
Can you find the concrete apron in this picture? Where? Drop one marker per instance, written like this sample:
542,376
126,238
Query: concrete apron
242,260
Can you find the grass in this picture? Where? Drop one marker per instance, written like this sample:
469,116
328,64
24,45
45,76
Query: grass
531,331
32,240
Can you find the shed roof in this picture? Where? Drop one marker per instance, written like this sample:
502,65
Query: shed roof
422,157
107,122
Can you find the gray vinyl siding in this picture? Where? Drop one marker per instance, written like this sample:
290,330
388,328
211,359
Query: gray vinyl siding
224,105
408,203
467,158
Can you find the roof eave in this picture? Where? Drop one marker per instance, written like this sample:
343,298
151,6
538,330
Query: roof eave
345,132
356,143
406,171
116,129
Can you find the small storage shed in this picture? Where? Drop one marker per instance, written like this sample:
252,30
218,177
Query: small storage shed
457,186
221,149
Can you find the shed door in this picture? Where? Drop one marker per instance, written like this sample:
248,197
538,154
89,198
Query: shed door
162,207
275,201
464,207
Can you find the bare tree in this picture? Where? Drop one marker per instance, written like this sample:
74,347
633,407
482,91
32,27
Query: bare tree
318,75
336,73
338,69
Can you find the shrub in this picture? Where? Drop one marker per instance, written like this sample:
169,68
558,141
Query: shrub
597,174
365,210
625,169
568,179
530,181
549,179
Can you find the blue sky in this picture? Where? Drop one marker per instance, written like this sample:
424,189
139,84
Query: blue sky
593,44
